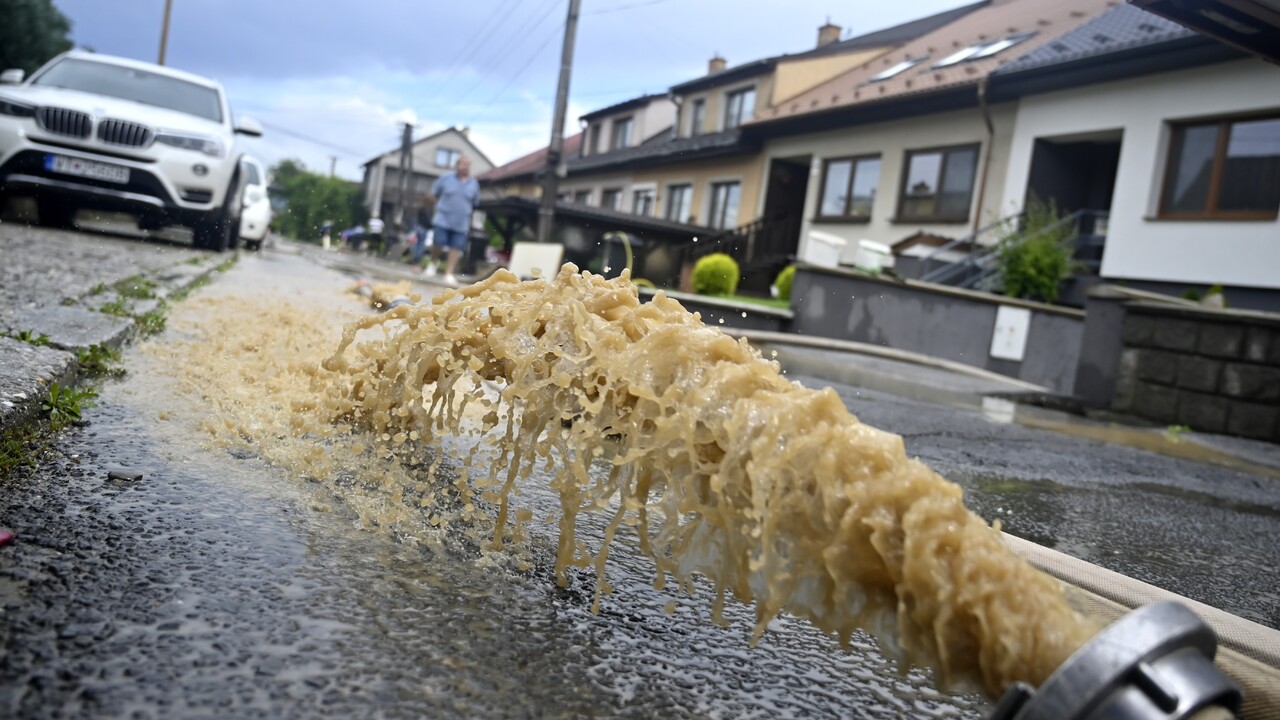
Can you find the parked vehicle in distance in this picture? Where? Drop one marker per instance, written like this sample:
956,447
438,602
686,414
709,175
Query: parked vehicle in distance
95,132
255,217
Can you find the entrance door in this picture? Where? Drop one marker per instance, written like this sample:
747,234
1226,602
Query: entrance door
784,200
1078,172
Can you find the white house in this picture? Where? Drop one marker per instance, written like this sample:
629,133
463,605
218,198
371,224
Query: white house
432,157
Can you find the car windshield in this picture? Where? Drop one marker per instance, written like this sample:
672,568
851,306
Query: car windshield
133,84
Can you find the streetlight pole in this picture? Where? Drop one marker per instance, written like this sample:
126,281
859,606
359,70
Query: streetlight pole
164,31
550,180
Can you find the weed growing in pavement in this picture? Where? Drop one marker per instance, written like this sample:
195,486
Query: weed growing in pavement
100,361
118,307
17,449
136,287
227,264
28,336
98,289
66,405
1174,433
193,261
183,293
69,301
152,322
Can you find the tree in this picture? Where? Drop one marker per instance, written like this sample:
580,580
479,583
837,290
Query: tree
311,199
32,32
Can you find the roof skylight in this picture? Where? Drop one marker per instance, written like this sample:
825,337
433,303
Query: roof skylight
981,50
897,69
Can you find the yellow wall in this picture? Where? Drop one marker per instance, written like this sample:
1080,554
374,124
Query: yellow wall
746,170
794,77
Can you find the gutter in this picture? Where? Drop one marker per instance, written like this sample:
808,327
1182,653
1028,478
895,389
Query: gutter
678,101
986,153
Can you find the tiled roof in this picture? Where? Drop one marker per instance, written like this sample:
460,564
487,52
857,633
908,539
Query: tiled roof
886,38
721,143
530,164
997,20
1122,27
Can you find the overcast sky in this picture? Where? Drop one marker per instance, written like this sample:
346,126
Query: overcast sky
334,77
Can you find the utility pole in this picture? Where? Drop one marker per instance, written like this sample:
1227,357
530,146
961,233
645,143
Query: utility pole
333,164
164,31
406,166
550,178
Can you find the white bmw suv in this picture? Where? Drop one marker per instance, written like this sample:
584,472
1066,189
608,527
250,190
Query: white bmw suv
90,131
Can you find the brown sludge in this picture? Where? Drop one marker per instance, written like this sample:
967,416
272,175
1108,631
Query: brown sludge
774,492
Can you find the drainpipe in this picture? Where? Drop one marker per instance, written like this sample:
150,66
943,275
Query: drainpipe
986,155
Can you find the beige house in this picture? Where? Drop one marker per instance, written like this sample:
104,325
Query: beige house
431,157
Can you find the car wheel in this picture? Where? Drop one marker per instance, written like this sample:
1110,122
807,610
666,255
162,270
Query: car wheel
56,214
253,245
220,230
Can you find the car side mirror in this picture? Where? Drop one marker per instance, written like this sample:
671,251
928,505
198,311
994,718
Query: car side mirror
12,76
248,126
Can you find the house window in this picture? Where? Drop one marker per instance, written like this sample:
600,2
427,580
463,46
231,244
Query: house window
621,133
938,184
698,117
582,197
564,196
1228,169
446,158
724,204
738,106
611,198
981,50
679,198
901,67
642,202
593,140
849,187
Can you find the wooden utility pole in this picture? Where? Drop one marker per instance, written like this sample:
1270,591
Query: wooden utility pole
406,167
550,177
164,31
333,164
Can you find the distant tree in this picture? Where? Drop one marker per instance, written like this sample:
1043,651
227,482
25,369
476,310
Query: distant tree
31,32
311,199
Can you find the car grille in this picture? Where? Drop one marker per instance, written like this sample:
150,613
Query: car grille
123,132
64,122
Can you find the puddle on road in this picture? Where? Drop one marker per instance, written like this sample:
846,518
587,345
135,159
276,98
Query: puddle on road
381,592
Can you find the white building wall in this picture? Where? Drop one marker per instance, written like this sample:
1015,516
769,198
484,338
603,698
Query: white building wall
1139,246
891,140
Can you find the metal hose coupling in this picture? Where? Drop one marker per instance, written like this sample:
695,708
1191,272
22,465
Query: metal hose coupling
1156,663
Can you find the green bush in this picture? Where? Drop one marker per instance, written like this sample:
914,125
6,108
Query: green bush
1033,260
783,282
715,274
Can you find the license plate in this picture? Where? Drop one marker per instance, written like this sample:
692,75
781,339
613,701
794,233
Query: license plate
86,168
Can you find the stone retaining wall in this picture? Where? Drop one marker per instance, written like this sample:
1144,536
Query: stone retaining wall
1213,371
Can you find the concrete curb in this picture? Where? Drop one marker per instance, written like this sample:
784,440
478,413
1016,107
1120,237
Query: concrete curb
27,371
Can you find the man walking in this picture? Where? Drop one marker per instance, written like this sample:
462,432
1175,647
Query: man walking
456,194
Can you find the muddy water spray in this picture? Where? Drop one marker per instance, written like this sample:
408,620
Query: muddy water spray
774,492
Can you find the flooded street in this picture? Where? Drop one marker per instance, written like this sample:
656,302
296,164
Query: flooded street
230,581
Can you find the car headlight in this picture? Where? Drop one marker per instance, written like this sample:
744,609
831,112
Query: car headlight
207,145
15,108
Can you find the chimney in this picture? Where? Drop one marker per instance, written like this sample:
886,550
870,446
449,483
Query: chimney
716,64
466,131
828,33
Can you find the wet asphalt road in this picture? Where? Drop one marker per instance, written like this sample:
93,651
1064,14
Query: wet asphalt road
212,587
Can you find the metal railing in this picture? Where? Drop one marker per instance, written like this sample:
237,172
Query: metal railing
979,268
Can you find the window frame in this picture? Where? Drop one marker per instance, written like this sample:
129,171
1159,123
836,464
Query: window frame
629,122
453,155
697,117
853,174
651,194
617,194
712,202
592,143
744,113
1211,211
686,206
946,151
582,197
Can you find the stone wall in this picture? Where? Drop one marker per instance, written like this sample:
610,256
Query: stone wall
1213,371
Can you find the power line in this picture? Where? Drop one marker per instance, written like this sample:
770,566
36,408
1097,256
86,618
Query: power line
524,67
619,8
506,51
313,140
471,47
